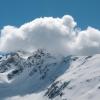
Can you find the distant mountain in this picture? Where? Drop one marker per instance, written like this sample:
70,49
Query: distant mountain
44,76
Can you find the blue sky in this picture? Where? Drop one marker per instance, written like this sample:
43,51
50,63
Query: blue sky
17,12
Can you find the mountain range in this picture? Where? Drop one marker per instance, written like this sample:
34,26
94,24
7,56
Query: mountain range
41,75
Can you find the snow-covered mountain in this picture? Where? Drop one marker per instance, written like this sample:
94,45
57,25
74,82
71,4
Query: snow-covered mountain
44,76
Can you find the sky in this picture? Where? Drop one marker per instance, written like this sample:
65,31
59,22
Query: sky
18,12
59,26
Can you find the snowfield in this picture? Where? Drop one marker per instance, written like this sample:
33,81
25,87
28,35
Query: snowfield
43,76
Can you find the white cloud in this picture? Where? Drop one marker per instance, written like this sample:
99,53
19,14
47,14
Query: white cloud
54,34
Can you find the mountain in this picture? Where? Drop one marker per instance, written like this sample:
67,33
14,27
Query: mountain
44,76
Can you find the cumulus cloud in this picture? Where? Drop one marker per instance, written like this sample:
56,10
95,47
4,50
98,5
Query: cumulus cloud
59,35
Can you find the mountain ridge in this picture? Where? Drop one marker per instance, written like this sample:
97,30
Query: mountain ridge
46,76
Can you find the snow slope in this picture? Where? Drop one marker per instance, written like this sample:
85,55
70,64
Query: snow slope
43,76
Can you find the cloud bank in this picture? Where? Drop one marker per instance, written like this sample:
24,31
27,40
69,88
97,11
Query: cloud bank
59,35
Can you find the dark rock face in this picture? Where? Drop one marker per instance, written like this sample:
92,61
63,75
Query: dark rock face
36,62
11,61
56,89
